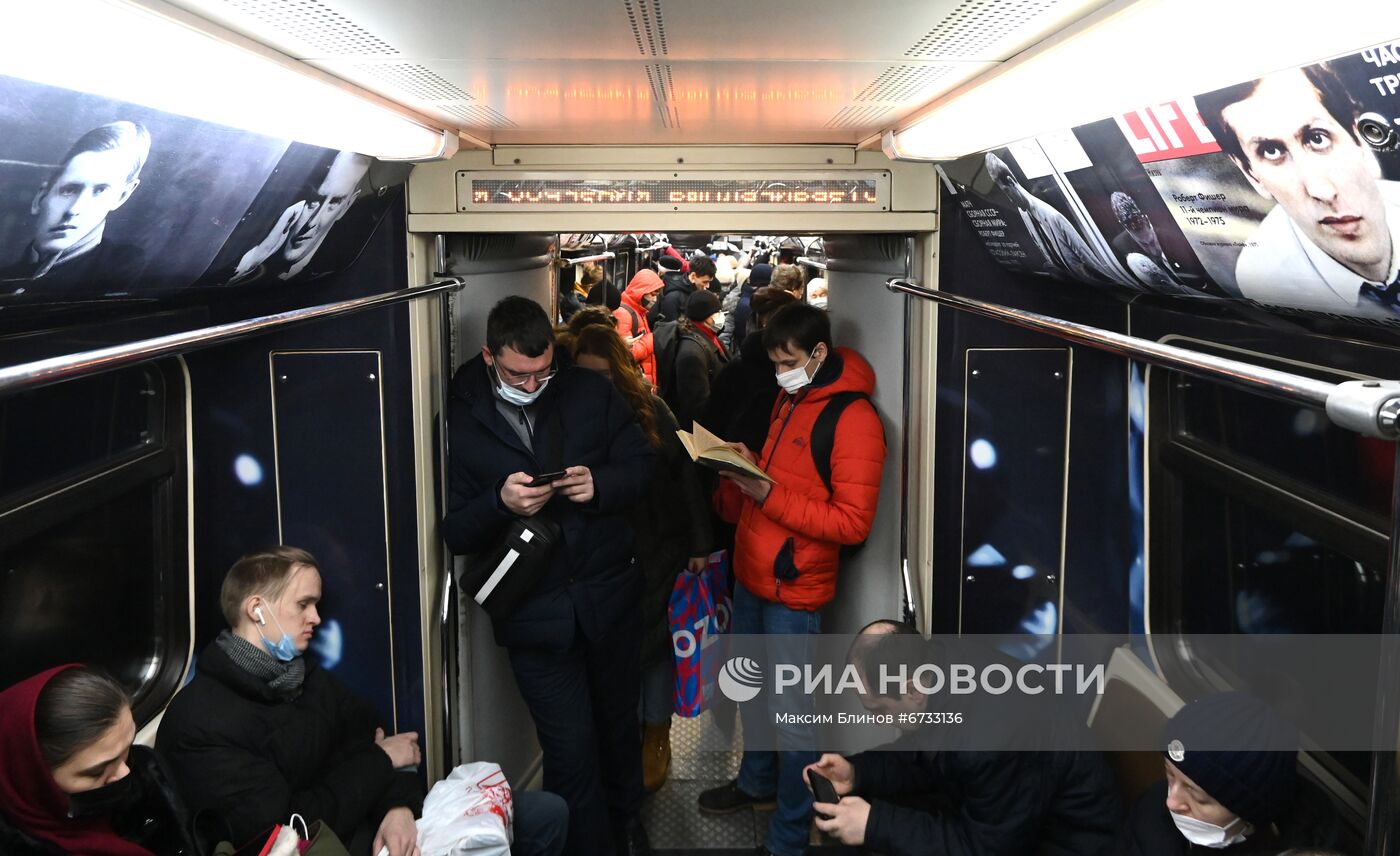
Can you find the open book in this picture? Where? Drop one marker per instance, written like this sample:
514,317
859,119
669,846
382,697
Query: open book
707,450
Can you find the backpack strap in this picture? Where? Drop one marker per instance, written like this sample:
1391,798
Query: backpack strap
636,320
823,439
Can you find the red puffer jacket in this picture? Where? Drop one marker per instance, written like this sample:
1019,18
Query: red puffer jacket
632,320
788,549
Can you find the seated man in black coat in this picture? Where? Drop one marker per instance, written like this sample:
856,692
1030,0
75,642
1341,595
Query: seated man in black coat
967,803
575,640
262,732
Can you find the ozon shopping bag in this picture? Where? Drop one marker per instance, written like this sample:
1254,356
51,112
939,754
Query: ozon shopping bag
699,613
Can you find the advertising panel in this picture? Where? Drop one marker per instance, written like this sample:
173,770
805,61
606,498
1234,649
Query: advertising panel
1284,191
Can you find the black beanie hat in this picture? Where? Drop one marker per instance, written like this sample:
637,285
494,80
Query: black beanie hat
701,305
1247,756
670,264
760,275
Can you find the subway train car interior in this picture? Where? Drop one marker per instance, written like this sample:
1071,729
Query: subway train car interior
1110,290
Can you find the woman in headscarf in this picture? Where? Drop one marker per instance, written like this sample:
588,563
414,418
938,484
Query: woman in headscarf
72,781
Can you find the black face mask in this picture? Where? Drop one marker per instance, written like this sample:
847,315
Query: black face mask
107,800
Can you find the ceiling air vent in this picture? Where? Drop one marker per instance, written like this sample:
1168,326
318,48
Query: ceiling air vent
858,116
902,82
648,27
317,26
477,115
976,25
416,80
663,93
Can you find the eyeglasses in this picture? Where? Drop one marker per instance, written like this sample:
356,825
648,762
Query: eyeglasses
519,380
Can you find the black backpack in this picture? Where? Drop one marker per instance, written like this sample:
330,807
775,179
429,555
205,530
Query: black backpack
823,442
666,345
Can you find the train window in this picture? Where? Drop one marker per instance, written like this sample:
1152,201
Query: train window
91,563
1266,519
1246,570
58,431
1295,443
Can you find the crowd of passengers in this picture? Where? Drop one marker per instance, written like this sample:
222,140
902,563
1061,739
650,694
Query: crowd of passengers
262,731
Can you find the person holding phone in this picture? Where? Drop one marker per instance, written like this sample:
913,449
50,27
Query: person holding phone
517,414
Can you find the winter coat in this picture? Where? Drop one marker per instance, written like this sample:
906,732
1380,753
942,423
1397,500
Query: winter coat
591,582
240,751
1311,822
988,803
672,523
699,359
742,397
158,821
632,320
787,550
671,305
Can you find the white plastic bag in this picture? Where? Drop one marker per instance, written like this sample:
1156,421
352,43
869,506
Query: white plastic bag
470,813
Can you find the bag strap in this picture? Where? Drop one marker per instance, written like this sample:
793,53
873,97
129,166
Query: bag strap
823,440
636,320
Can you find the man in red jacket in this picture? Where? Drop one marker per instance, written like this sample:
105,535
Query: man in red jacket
790,533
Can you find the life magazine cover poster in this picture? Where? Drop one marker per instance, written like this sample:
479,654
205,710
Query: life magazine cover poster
1284,191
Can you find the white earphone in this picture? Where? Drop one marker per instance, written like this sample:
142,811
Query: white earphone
257,613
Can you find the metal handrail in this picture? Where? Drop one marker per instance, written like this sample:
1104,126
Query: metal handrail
1367,407
601,257
803,260
659,245
43,372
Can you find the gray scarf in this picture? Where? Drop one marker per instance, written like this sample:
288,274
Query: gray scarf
284,679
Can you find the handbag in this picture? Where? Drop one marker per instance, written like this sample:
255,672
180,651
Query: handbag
316,839
502,578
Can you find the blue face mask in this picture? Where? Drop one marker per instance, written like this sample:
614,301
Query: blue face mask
286,647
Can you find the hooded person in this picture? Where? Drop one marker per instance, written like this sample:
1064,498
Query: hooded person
1231,784
73,781
632,324
760,276
698,357
679,286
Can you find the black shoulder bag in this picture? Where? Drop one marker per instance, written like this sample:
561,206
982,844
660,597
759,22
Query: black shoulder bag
502,578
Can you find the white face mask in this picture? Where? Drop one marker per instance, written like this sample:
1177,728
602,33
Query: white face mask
518,397
793,380
1208,834
716,321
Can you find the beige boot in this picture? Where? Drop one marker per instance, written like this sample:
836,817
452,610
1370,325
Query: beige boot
656,756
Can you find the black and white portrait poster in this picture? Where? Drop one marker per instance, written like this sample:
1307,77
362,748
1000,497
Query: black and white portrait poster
1022,211
103,199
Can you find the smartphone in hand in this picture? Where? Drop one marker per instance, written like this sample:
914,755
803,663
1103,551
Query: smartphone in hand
822,789
546,478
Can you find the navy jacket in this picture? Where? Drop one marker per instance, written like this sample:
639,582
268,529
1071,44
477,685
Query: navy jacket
989,803
592,583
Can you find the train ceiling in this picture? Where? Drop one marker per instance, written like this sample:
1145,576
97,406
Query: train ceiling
653,71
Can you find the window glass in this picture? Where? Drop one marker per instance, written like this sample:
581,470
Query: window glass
1294,441
1243,570
88,590
61,430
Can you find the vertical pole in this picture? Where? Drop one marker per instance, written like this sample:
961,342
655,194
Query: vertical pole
1383,825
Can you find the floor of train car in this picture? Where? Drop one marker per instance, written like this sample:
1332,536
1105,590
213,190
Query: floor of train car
674,822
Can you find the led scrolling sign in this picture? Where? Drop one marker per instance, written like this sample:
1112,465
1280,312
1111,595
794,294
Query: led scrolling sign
843,191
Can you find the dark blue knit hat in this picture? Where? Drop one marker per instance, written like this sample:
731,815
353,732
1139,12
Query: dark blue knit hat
760,275
1239,751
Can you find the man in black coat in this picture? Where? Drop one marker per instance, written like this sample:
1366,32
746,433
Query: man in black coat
679,286
262,732
574,641
965,803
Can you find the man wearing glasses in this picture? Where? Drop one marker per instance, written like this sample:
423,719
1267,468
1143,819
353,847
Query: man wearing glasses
574,643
